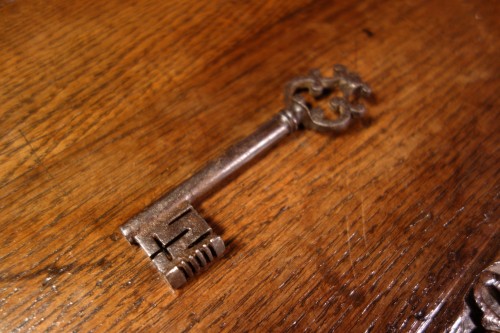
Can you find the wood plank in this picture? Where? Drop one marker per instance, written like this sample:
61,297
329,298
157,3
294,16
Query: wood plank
106,105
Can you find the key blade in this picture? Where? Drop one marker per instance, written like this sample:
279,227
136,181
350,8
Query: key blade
181,247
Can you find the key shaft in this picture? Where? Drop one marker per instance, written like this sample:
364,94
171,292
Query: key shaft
216,172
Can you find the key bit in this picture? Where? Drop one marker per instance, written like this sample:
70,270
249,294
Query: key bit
176,238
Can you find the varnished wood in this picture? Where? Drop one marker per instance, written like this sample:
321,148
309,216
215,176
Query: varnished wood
106,105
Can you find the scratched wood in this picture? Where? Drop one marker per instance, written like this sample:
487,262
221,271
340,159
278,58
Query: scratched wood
106,105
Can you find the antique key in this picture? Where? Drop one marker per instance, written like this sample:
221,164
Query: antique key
176,238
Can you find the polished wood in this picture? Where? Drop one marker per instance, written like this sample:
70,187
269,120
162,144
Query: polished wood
106,105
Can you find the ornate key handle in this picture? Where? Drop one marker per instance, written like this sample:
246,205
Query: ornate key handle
175,237
349,84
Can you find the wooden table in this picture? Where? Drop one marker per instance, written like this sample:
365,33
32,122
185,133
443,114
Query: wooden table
106,105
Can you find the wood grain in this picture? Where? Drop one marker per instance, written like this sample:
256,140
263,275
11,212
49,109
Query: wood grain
106,105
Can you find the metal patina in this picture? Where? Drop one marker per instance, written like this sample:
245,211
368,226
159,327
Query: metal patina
176,238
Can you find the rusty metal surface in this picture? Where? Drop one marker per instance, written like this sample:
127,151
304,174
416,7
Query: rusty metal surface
179,241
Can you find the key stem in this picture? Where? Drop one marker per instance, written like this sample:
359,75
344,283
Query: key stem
216,172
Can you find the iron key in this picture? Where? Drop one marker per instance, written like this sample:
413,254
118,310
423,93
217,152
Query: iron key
176,238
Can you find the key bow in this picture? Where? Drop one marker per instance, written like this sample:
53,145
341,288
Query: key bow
347,106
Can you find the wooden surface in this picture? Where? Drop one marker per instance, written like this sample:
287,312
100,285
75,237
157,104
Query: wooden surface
106,105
